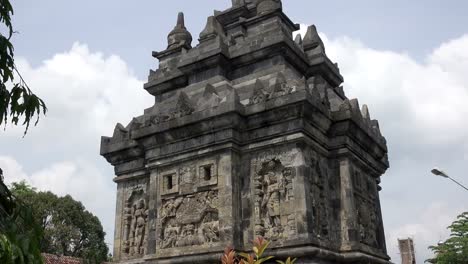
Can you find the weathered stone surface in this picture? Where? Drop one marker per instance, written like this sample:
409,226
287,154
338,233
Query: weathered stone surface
251,135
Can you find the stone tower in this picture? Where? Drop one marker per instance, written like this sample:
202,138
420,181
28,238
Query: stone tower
250,135
406,247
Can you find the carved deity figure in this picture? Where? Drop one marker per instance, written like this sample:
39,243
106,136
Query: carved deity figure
140,216
127,217
273,181
271,200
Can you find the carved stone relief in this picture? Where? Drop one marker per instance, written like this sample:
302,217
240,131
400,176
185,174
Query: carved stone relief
135,220
368,220
273,189
189,220
278,86
319,181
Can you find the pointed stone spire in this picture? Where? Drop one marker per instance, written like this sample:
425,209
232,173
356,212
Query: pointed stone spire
184,106
237,3
259,93
376,127
212,29
312,40
280,86
135,124
365,113
179,36
355,105
298,41
210,90
120,132
266,6
209,99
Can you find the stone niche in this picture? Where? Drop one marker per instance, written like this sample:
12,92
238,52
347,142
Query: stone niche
251,134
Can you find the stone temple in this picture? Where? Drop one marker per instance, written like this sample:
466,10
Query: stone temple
251,134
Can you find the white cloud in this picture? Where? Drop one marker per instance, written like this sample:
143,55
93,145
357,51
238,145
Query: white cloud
87,93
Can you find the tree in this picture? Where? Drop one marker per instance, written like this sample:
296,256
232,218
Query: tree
455,249
18,101
69,229
19,232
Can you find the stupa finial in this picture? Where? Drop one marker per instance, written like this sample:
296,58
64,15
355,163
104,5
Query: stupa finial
179,36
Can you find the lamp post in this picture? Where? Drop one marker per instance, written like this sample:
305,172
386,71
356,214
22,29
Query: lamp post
440,173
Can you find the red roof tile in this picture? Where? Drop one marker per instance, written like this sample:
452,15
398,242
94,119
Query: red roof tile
53,259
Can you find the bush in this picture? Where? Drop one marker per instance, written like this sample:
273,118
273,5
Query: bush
259,246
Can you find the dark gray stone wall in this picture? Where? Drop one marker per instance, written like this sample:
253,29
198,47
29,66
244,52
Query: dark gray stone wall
251,135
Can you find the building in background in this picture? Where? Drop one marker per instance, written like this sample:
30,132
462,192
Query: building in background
407,251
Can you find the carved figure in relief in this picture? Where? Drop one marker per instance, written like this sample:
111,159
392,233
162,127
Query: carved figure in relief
188,237
135,221
169,208
127,218
272,186
189,220
170,237
271,200
211,232
140,216
367,220
319,194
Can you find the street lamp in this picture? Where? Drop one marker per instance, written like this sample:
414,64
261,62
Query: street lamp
440,173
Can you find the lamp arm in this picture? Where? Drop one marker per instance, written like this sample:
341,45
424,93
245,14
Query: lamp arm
458,183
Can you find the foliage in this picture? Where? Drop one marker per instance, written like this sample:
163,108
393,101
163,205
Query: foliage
259,247
19,232
18,101
68,228
455,249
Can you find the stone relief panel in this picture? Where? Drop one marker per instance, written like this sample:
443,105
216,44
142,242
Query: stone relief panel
368,215
321,189
135,219
276,86
273,188
188,213
189,220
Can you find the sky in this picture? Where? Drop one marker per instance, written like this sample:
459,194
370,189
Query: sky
89,59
